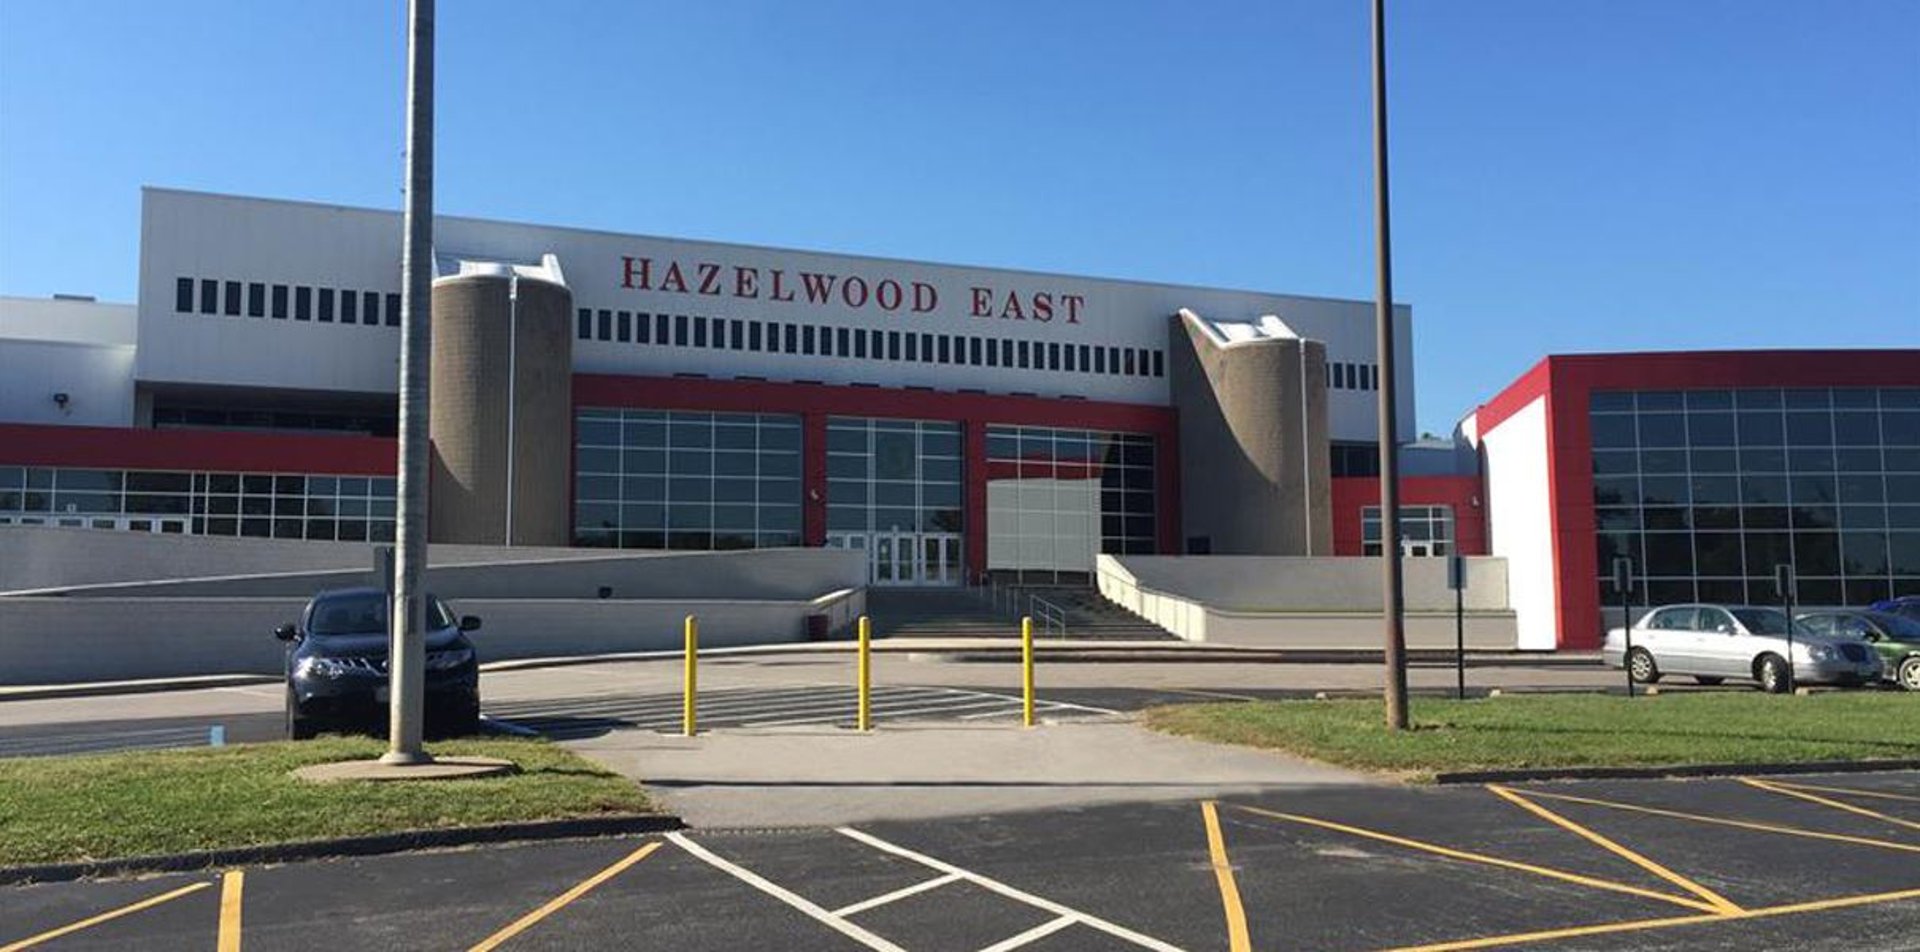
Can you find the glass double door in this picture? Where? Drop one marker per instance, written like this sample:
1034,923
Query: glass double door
901,557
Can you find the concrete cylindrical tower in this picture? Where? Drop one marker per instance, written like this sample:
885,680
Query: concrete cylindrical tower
1255,470
502,416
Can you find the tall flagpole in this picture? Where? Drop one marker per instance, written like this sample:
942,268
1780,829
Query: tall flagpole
1391,595
407,654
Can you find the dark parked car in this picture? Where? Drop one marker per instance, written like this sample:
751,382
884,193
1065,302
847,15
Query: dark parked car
1908,605
1896,637
337,665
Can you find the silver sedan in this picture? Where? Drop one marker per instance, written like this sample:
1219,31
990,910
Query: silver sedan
1716,642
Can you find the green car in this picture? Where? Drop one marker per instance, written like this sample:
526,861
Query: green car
1896,637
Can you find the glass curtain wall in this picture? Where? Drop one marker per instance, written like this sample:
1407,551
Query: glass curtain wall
1056,497
260,505
651,479
1707,490
893,475
1424,530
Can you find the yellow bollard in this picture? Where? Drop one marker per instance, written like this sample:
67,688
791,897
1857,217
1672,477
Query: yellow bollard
865,722
688,714
1026,669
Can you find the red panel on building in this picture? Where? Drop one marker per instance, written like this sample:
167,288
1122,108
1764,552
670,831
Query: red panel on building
1354,493
1570,381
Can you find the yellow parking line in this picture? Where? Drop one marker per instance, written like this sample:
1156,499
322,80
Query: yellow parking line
1722,821
1451,853
1849,791
1237,937
1823,801
553,905
1713,898
128,909
1639,925
231,886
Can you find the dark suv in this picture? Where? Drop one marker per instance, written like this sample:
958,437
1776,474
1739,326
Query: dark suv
337,665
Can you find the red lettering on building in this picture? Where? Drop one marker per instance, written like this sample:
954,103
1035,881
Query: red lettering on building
847,293
819,286
674,281
982,302
644,273
709,278
854,291
1073,302
888,295
1012,307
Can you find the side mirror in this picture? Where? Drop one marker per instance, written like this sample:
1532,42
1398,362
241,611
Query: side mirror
469,622
286,632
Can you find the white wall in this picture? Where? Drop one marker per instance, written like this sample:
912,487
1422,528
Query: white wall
187,234
1520,520
97,379
1305,603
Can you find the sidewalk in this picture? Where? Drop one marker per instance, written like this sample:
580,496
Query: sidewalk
812,776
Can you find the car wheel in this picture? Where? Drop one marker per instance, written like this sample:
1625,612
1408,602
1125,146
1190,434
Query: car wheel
1641,667
1772,674
1708,680
457,720
1909,674
299,728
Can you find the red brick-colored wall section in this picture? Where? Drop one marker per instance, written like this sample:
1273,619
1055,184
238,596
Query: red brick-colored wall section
220,451
1353,493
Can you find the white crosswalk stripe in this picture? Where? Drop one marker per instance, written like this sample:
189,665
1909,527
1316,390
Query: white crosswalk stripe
775,707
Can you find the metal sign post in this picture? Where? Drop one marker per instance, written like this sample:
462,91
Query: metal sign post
1623,584
1457,580
1783,586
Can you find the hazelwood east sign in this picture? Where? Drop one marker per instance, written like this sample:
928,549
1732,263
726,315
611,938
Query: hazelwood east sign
853,291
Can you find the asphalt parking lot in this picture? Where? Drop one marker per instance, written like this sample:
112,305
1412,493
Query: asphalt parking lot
1810,862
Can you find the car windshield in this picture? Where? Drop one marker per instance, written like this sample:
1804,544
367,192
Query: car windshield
1768,621
365,613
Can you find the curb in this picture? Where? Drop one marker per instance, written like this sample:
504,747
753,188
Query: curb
145,686
1675,770
372,845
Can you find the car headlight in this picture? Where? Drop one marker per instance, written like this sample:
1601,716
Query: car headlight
445,660
321,668
1822,652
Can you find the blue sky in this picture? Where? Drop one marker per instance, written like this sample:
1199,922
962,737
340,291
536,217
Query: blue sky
1573,175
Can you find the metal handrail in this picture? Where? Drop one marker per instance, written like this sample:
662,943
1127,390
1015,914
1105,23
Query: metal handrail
1048,614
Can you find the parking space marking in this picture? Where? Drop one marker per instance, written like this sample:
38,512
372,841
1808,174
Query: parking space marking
1640,925
232,887
553,905
836,923
1847,791
1714,899
1824,801
1238,939
107,916
994,885
897,895
1470,857
1034,934
1723,821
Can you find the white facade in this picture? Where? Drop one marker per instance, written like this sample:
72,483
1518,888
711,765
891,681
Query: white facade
66,362
267,251
1520,521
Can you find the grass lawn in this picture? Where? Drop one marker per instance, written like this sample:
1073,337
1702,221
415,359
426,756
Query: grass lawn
63,809
1566,730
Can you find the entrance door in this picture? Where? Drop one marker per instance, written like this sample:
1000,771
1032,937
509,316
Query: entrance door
900,557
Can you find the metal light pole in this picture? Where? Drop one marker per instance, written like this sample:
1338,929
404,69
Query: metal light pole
1391,596
407,614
